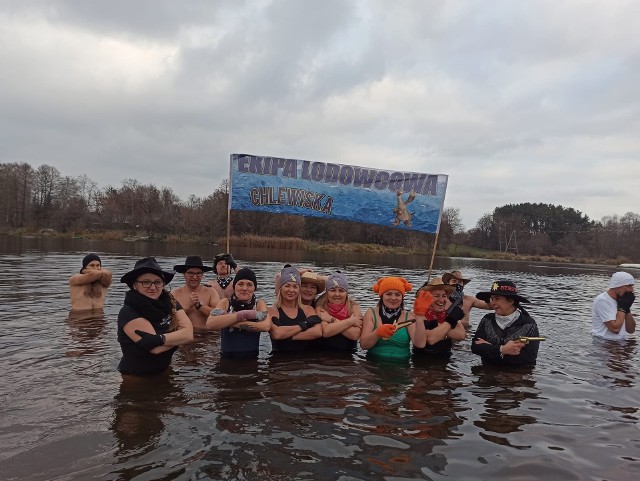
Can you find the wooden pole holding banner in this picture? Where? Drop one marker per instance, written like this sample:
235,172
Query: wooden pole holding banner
433,254
228,228
435,241
229,205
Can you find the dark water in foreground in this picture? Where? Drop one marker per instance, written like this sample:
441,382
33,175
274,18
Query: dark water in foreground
65,413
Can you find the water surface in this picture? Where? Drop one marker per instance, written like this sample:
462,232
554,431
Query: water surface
66,414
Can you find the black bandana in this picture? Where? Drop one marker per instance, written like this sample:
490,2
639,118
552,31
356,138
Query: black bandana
389,316
236,304
155,311
224,281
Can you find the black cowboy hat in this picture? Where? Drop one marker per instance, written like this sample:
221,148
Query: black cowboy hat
192,261
503,288
144,265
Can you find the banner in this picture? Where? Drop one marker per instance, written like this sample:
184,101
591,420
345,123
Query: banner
406,200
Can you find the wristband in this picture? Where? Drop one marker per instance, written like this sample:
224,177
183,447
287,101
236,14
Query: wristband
198,305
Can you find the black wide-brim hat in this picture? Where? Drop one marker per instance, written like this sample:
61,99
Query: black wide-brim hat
144,265
192,261
505,289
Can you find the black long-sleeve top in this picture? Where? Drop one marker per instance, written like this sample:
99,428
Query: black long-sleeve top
489,330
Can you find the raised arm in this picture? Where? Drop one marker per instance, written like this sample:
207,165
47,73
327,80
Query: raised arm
105,277
86,277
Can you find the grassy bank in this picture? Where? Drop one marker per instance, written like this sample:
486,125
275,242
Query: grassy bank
296,243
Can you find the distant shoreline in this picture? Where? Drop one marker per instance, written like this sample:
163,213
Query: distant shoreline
296,243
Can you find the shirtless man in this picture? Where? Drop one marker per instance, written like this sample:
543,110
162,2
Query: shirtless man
455,279
224,266
197,300
89,289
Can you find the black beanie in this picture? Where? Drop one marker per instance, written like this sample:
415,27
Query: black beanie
246,274
90,258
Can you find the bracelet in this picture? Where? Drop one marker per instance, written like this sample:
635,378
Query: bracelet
501,353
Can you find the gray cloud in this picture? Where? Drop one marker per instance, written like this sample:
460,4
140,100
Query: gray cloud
530,101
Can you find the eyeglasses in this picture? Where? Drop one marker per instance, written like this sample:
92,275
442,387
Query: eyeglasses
194,274
148,284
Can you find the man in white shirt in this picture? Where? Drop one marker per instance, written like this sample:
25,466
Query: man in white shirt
611,313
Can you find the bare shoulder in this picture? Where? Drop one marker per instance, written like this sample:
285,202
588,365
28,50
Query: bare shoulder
308,311
75,279
223,304
261,305
368,313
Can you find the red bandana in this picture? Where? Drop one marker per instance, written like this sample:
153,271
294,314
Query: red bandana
339,311
438,316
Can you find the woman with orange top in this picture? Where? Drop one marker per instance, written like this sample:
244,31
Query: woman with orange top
388,329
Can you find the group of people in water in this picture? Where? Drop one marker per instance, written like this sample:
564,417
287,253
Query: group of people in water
311,312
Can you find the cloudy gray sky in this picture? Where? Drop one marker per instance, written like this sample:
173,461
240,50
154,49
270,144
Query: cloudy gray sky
517,101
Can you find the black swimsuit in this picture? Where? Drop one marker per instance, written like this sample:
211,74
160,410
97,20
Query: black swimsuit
290,344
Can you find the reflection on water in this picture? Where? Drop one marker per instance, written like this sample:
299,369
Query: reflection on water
67,414
504,393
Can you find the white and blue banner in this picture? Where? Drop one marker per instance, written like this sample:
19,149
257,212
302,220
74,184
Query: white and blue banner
406,200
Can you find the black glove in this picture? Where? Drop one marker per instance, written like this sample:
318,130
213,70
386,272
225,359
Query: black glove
303,325
313,320
149,341
228,258
456,314
276,321
625,301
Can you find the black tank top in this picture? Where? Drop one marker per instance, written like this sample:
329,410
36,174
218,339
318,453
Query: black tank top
440,348
291,345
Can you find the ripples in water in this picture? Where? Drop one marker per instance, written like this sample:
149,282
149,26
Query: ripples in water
67,414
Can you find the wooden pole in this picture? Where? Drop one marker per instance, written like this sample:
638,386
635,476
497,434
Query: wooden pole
229,193
228,229
433,254
435,241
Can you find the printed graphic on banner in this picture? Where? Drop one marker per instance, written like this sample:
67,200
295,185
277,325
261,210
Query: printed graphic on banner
407,200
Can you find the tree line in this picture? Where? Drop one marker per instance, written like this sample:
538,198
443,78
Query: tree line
554,230
43,198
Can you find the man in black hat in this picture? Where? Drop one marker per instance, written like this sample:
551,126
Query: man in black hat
455,279
224,266
197,300
89,288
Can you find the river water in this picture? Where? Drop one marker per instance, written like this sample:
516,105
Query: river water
66,414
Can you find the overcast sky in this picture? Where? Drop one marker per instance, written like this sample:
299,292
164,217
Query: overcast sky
517,101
